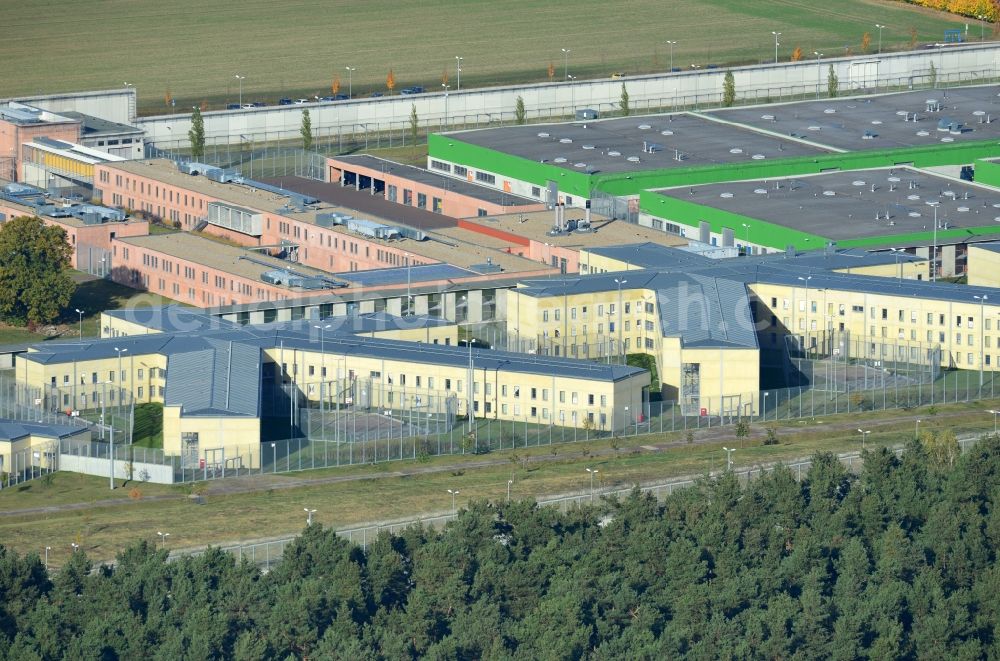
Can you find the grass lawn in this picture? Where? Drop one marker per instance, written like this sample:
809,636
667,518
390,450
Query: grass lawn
148,426
297,49
388,495
93,295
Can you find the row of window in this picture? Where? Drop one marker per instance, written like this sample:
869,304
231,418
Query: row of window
140,374
612,309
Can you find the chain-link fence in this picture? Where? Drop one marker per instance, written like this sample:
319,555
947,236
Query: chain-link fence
266,554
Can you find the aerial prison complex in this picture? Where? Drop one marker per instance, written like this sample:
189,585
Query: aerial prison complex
515,276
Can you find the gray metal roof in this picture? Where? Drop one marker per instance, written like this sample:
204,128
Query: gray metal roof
171,318
680,140
431,178
651,255
398,275
223,378
849,205
95,127
12,430
993,246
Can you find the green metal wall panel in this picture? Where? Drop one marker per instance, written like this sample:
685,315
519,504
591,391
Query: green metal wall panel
761,232
514,167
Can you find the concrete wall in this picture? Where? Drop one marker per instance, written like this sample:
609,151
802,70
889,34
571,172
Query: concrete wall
439,111
157,473
984,267
116,105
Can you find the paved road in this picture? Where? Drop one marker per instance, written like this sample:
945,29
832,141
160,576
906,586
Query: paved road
365,203
256,483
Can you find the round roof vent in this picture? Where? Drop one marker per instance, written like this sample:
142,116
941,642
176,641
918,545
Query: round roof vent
580,165
858,182
614,153
588,146
558,159
566,141
997,204
962,209
644,127
902,113
914,214
735,150
978,113
913,198
947,139
760,191
948,193
543,135
632,159
829,111
923,134
829,193
666,132
758,157
815,128
726,196
767,118
876,122
894,180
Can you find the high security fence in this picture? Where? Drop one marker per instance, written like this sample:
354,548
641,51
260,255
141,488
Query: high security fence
371,436
268,553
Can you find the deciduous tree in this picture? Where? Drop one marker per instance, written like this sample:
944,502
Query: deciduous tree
623,102
390,81
832,83
306,131
520,114
797,54
728,89
35,284
196,135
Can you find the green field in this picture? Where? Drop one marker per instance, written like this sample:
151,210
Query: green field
193,49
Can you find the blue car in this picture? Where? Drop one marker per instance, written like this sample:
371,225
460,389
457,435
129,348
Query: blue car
285,101
375,95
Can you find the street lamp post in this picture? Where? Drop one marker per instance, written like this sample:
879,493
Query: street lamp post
776,44
80,312
47,549
934,204
593,472
510,483
322,377
864,435
806,280
671,44
241,79
446,87
572,93
163,537
880,28
746,248
729,458
458,73
406,255
819,71
982,331
309,515
121,379
454,492
350,81
74,546
621,347
916,430
566,53
995,414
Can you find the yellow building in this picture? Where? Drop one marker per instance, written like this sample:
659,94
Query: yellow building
28,446
706,322
983,267
217,386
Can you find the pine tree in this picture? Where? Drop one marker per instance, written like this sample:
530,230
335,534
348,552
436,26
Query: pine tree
520,114
414,123
832,82
623,103
306,131
728,89
197,135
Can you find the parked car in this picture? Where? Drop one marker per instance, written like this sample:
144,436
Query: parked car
284,101
375,95
259,104
299,102
618,75
328,98
341,97
247,106
412,90
232,106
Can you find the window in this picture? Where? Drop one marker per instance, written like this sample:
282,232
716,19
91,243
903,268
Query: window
421,200
486,178
440,165
517,391
461,170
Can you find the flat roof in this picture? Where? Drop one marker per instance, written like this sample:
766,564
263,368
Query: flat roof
402,274
992,246
220,256
605,146
537,224
12,430
844,205
25,115
94,127
651,255
464,255
887,118
170,318
430,178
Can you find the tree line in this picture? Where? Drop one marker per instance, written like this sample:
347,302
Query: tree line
896,561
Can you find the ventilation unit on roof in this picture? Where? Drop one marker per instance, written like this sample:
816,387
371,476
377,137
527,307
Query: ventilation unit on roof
487,268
